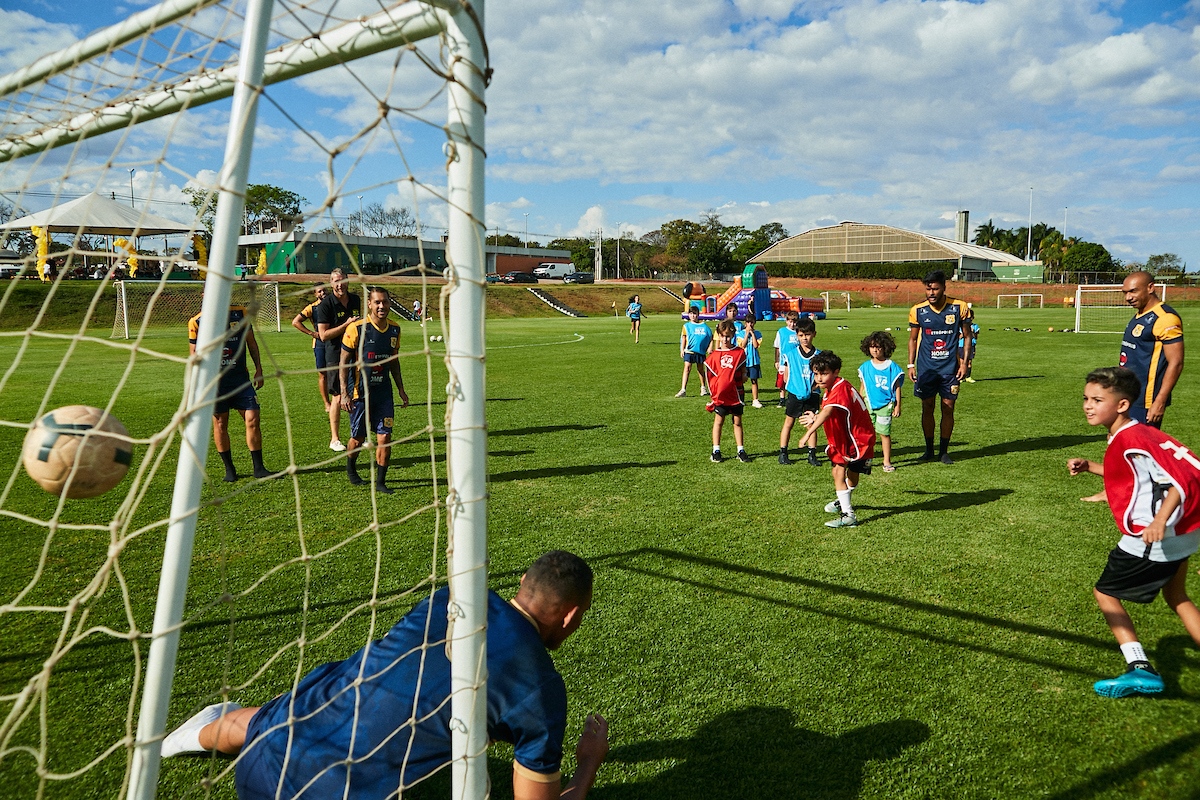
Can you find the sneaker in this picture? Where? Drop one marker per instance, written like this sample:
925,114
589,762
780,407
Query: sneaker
1135,681
757,404
681,393
704,391
946,459
813,461
783,459
336,446
186,738
969,380
888,468
743,457
833,507
782,402
717,457
927,456
843,521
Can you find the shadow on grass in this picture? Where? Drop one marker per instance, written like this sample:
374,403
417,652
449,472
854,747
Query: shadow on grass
624,561
545,429
759,752
1105,781
938,501
1030,445
576,470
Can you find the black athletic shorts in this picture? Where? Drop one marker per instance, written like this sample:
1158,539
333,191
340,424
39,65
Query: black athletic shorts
797,406
725,411
1128,577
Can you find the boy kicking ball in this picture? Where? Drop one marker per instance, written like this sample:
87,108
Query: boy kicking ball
848,429
1153,488
726,367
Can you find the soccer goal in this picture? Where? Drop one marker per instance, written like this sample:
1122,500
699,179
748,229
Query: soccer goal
1102,308
1019,301
188,585
836,300
173,303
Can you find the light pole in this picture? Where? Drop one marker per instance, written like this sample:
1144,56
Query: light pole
619,224
360,216
526,213
131,171
1029,241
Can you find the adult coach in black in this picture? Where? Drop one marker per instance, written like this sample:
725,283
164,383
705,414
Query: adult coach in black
379,722
333,316
939,339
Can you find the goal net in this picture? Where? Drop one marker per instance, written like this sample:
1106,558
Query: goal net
173,303
1102,308
836,300
196,136
1019,301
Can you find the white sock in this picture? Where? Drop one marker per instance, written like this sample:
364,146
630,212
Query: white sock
741,449
716,448
1133,651
186,738
843,497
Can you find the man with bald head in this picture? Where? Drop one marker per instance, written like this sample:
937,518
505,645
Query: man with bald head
379,722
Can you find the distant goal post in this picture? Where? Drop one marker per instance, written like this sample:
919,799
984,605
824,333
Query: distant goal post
1101,308
837,299
1024,300
173,303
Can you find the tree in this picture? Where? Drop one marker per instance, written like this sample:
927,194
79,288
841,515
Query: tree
580,250
264,203
506,240
1088,257
985,235
1165,264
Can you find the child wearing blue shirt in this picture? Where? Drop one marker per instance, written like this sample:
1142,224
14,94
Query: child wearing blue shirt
634,312
695,340
881,379
750,340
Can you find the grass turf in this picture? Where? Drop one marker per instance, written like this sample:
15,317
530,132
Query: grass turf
945,648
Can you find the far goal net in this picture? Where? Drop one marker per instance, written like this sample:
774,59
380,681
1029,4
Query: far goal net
1019,301
193,137
836,301
1102,308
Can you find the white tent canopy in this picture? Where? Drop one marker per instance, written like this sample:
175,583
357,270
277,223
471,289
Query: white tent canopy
95,214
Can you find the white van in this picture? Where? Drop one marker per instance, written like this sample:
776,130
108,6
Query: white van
552,269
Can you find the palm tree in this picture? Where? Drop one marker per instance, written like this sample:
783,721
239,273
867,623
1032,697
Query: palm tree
985,234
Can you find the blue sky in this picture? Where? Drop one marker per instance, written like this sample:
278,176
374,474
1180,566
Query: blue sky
807,113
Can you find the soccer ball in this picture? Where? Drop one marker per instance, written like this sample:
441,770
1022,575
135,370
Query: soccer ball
439,338
433,338
79,439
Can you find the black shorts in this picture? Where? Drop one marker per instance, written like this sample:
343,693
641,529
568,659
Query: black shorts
333,380
931,383
1128,577
725,411
798,406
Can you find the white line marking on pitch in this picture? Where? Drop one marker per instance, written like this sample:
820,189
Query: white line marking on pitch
578,338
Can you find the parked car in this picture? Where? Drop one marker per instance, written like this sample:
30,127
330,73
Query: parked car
553,269
492,277
579,277
518,277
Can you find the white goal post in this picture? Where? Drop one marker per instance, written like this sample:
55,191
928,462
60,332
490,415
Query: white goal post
836,298
1101,308
175,302
1026,300
157,67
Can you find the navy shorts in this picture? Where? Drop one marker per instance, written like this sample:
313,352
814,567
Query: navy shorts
693,358
382,412
798,406
1139,412
243,399
333,380
319,355
1128,577
931,383
754,373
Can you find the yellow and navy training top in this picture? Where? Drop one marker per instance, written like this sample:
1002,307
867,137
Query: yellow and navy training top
1142,347
938,334
234,374
307,313
372,347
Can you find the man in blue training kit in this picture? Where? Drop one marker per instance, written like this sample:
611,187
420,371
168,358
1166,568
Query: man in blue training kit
938,343
372,726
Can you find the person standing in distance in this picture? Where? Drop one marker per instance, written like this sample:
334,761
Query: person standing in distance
695,340
939,339
298,322
634,312
333,316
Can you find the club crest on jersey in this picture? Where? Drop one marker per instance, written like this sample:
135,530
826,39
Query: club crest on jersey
949,319
395,341
1137,329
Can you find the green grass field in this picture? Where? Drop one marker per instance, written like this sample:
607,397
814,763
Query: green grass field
943,649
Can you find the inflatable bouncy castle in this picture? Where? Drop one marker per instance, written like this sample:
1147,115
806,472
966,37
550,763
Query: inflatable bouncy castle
750,293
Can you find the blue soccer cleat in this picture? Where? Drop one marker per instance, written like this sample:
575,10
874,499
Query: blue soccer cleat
1135,681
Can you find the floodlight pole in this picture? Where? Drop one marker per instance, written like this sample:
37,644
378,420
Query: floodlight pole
199,392
1029,230
466,431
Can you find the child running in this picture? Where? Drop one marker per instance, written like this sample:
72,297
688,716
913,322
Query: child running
802,395
726,367
750,340
881,379
634,312
848,428
695,340
1153,487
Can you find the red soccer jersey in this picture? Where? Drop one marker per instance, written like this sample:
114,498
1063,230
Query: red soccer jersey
848,427
1140,464
726,372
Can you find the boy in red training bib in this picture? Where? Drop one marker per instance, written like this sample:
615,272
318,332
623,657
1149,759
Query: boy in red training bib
848,429
726,368
1153,487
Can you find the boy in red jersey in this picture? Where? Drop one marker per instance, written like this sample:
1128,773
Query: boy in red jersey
848,428
1153,487
726,367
